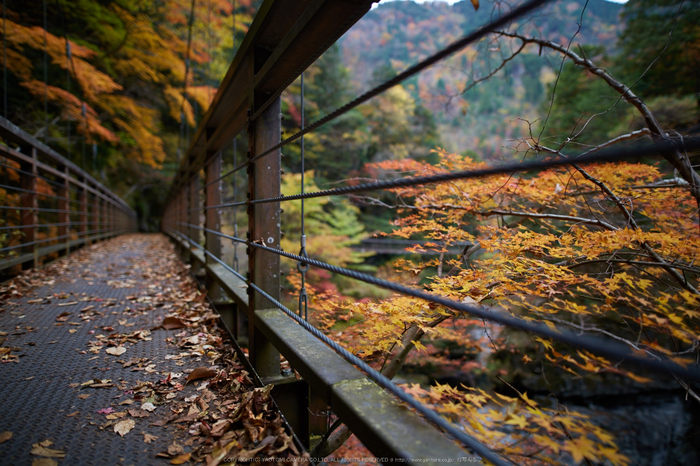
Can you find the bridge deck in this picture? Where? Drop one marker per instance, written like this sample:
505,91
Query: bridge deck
63,380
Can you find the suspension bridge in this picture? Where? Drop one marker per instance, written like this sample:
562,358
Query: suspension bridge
104,285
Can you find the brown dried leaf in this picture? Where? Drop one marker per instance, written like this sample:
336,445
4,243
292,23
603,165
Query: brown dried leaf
5,436
201,373
41,449
175,449
172,323
475,4
135,412
148,438
220,427
267,441
219,453
124,427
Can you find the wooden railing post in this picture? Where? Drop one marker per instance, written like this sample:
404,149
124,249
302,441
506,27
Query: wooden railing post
96,222
181,213
212,221
112,219
64,208
83,199
195,206
264,225
29,204
104,211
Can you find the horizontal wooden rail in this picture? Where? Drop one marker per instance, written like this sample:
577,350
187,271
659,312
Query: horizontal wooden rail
286,36
385,426
49,205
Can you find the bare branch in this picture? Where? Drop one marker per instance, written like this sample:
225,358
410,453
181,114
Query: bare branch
494,71
631,262
676,158
569,218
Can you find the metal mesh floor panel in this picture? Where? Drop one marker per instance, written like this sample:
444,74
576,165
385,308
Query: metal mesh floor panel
36,392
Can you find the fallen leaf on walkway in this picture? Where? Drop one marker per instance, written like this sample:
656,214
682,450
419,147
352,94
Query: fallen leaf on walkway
220,427
5,436
148,438
83,396
97,383
75,413
175,449
219,453
201,373
41,449
35,301
172,323
124,427
148,407
72,303
109,410
126,402
44,462
133,361
72,330
136,412
180,459
116,351
114,416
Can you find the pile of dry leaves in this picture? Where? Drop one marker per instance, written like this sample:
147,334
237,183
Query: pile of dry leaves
224,418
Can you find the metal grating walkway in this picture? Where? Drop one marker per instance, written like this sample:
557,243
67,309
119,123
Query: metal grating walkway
122,286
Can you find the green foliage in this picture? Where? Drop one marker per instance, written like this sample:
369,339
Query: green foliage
668,33
584,104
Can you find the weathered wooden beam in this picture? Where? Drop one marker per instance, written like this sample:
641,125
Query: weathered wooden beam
293,34
264,178
212,219
385,426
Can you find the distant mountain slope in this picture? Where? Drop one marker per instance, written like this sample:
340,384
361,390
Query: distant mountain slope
395,35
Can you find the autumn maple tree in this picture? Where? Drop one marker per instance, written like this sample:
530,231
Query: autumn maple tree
604,249
124,75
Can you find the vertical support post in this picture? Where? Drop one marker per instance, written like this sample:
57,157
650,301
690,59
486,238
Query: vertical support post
264,223
212,220
64,208
112,219
105,218
107,212
29,204
181,217
95,214
83,199
195,204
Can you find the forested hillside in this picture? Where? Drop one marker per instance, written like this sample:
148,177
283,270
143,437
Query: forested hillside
397,34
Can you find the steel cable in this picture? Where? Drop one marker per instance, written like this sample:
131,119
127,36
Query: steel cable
605,155
371,373
593,344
